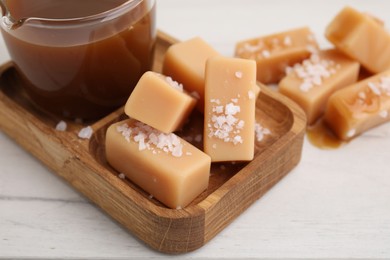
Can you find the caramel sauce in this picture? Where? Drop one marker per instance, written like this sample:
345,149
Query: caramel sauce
322,137
80,71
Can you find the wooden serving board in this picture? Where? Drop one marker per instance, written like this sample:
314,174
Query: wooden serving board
233,186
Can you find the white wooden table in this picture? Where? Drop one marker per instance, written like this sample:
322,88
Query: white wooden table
334,204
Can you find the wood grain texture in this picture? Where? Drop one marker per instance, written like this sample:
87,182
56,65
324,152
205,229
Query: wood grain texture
232,189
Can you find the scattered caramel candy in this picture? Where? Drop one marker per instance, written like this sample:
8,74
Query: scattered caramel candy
362,38
164,165
160,102
229,116
273,53
185,62
359,107
311,83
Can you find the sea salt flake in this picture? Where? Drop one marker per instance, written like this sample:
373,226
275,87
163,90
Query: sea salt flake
174,84
85,133
238,74
383,113
266,54
260,132
61,126
362,95
351,133
374,88
251,94
287,41
231,109
237,139
121,176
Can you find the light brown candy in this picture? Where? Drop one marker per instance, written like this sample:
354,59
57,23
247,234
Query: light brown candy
311,82
361,37
230,97
273,53
185,62
359,107
160,102
164,165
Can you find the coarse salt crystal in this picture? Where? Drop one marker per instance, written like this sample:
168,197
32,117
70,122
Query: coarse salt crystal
351,132
121,176
61,126
374,88
383,113
238,74
313,71
151,139
266,54
237,139
287,41
260,132
251,94
85,133
174,84
362,95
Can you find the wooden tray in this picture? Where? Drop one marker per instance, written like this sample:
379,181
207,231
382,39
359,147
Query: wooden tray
232,189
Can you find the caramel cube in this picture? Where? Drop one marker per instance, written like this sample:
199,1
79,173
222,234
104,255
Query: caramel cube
359,107
185,62
362,38
273,53
164,165
230,97
311,82
160,102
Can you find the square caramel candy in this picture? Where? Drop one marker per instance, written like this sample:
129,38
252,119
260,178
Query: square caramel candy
160,102
311,82
229,116
185,62
273,53
164,165
362,38
359,107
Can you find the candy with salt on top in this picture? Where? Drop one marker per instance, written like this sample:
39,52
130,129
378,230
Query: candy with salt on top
362,38
359,107
185,62
160,102
229,116
311,82
273,53
170,169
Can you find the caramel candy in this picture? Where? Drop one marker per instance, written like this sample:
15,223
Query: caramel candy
362,38
273,53
230,97
311,83
160,102
164,165
185,62
360,106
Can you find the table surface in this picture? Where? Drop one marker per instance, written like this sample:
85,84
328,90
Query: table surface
334,204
